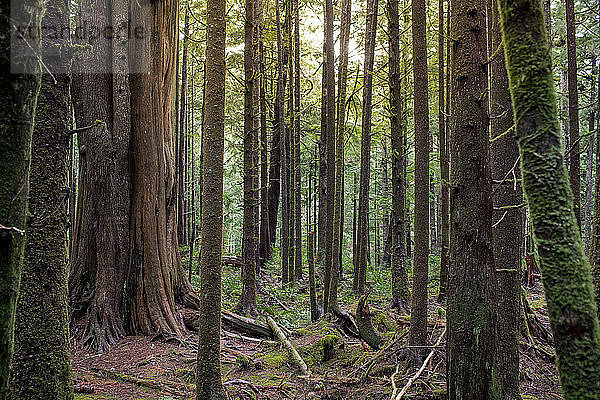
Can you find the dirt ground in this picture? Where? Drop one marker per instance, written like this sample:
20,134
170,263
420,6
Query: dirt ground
341,367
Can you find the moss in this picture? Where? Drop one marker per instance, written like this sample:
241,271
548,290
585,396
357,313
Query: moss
383,322
275,359
321,350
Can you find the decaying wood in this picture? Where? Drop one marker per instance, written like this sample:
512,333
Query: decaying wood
156,384
417,374
233,261
232,321
279,333
365,327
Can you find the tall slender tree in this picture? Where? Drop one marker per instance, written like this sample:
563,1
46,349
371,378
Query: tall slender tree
507,216
365,153
247,303
574,158
418,320
399,265
443,102
297,139
208,376
565,270
20,87
471,347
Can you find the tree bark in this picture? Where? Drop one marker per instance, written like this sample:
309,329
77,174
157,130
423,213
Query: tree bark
471,347
574,169
418,320
365,154
182,154
565,270
42,362
507,229
590,163
247,302
208,378
156,278
297,139
101,236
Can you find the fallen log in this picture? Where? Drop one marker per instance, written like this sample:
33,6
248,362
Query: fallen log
233,261
233,321
281,336
155,384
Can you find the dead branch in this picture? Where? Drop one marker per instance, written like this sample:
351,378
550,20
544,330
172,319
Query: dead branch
289,345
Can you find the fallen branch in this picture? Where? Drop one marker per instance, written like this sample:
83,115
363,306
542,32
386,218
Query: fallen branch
289,345
247,338
367,366
418,373
163,386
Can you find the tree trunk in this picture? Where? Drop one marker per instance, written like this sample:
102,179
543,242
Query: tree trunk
339,153
565,270
400,291
385,219
418,320
182,154
330,146
156,279
595,239
443,104
471,347
297,138
365,154
208,377
574,169
41,364
247,303
590,163
507,229
101,237
20,86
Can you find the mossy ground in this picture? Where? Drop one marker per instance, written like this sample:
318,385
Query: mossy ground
337,362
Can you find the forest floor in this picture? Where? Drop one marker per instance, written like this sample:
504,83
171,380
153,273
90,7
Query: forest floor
341,367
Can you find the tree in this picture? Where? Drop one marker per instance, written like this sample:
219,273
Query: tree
360,276
41,362
471,347
339,153
443,103
330,150
507,230
574,159
156,280
20,88
400,292
208,377
100,253
296,141
418,320
182,153
247,304
565,270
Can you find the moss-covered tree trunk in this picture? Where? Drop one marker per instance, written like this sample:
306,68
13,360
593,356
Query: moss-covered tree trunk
507,216
399,265
208,377
418,319
472,306
595,238
565,270
41,362
18,98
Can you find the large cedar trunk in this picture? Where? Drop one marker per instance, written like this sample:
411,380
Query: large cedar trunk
18,97
155,276
42,362
472,307
101,235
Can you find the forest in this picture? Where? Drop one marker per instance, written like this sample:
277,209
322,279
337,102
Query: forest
299,199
